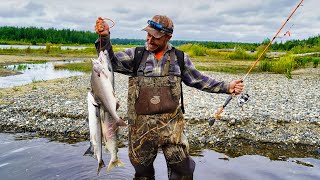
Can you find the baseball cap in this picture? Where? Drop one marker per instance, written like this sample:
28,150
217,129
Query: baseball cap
159,26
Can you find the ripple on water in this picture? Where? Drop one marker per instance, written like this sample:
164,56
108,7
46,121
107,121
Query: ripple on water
41,159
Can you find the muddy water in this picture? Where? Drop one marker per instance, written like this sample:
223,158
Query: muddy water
40,158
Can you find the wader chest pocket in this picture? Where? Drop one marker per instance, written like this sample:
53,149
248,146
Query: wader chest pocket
155,100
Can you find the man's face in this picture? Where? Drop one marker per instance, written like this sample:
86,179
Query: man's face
157,44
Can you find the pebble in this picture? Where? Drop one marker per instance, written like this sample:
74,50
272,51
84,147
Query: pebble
279,110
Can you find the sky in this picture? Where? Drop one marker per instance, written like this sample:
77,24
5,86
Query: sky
201,20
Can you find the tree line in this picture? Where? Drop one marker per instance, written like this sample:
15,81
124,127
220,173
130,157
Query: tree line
34,35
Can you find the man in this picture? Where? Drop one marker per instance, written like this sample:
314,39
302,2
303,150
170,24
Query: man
154,91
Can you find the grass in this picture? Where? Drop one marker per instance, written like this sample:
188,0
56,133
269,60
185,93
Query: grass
286,64
205,59
22,67
315,62
83,66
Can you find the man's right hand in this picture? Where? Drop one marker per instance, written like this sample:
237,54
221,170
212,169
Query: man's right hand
102,27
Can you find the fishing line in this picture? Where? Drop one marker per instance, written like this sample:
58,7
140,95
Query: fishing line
212,120
113,24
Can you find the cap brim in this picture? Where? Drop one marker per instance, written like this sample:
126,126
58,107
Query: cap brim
153,32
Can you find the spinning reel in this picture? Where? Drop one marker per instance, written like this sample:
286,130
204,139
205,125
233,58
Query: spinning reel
243,99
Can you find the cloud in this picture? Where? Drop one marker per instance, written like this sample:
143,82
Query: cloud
21,10
214,20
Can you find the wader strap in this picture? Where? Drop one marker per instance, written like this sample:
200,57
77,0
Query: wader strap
142,65
138,53
172,65
180,57
165,71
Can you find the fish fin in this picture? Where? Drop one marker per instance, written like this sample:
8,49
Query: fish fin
117,105
101,165
113,164
120,122
89,152
91,99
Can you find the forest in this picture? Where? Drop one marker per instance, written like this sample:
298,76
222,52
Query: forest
38,36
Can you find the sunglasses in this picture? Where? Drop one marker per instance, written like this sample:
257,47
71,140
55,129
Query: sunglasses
159,27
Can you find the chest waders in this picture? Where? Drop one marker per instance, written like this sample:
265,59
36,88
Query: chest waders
156,121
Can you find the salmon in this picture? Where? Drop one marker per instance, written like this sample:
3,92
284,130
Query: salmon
95,149
102,81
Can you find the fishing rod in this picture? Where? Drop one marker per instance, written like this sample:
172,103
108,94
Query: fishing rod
245,97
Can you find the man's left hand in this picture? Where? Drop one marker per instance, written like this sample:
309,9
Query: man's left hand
236,86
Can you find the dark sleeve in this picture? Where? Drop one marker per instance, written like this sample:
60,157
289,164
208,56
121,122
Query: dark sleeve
121,61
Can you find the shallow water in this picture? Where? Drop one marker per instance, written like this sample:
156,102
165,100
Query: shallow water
35,72
2,46
41,158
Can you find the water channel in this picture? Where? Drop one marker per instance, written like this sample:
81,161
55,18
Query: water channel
41,158
31,72
2,46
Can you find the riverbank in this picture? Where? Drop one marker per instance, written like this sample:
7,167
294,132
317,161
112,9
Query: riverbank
280,111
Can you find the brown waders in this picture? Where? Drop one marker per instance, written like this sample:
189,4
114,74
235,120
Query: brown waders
156,121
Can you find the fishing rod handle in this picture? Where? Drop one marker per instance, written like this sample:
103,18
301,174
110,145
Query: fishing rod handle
211,121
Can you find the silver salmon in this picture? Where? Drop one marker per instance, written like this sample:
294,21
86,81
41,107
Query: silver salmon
95,149
102,81
110,137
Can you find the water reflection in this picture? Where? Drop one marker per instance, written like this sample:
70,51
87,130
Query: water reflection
39,158
31,72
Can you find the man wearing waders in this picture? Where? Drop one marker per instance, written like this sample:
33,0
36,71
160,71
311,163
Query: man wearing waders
155,106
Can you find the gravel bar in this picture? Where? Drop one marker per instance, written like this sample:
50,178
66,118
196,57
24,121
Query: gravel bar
280,110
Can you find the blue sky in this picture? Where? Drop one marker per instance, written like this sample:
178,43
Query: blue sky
209,20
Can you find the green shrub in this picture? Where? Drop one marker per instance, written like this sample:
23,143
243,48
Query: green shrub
265,65
315,62
28,50
288,72
240,54
284,65
302,61
260,49
22,67
194,50
48,46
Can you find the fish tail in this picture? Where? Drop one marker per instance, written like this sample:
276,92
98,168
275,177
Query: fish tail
113,164
101,165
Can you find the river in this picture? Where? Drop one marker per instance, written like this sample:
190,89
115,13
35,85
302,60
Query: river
3,46
22,157
31,72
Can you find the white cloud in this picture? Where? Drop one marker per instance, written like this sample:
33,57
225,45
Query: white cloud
214,20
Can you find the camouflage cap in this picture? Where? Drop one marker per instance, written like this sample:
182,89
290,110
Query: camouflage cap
165,22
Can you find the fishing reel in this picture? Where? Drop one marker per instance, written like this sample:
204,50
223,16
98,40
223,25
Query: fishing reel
243,99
